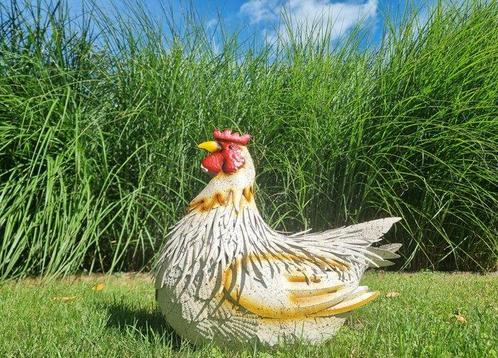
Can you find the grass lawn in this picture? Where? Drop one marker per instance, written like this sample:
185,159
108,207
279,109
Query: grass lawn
420,314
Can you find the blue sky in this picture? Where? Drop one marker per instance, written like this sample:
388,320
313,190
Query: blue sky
264,18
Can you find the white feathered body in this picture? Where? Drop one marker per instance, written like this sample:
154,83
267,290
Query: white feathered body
226,276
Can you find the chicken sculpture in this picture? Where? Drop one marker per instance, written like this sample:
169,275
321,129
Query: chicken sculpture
225,276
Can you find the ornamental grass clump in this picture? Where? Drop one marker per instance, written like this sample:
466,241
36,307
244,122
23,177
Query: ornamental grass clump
98,114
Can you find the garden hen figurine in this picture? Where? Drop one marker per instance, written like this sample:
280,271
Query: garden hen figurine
226,276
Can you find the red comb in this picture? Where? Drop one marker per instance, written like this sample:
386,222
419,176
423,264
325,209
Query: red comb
228,136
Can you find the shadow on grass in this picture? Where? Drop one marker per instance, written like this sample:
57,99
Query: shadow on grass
143,324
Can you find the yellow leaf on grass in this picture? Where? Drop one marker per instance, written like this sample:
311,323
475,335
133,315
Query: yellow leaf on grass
460,318
63,298
392,294
99,286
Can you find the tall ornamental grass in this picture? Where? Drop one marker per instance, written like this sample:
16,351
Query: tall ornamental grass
100,114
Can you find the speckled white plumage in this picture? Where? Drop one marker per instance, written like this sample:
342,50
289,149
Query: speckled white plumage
224,275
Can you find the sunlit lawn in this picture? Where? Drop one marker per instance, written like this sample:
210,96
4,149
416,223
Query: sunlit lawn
419,314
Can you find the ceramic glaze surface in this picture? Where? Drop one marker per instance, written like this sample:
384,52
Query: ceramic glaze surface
225,276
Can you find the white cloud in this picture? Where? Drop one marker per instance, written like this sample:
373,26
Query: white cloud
211,28
212,23
305,18
259,10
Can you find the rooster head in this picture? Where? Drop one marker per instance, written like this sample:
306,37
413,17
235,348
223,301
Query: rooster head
226,152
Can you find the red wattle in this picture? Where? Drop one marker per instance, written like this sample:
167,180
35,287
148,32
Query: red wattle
213,162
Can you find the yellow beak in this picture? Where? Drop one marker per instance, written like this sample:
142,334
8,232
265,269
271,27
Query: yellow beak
211,146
